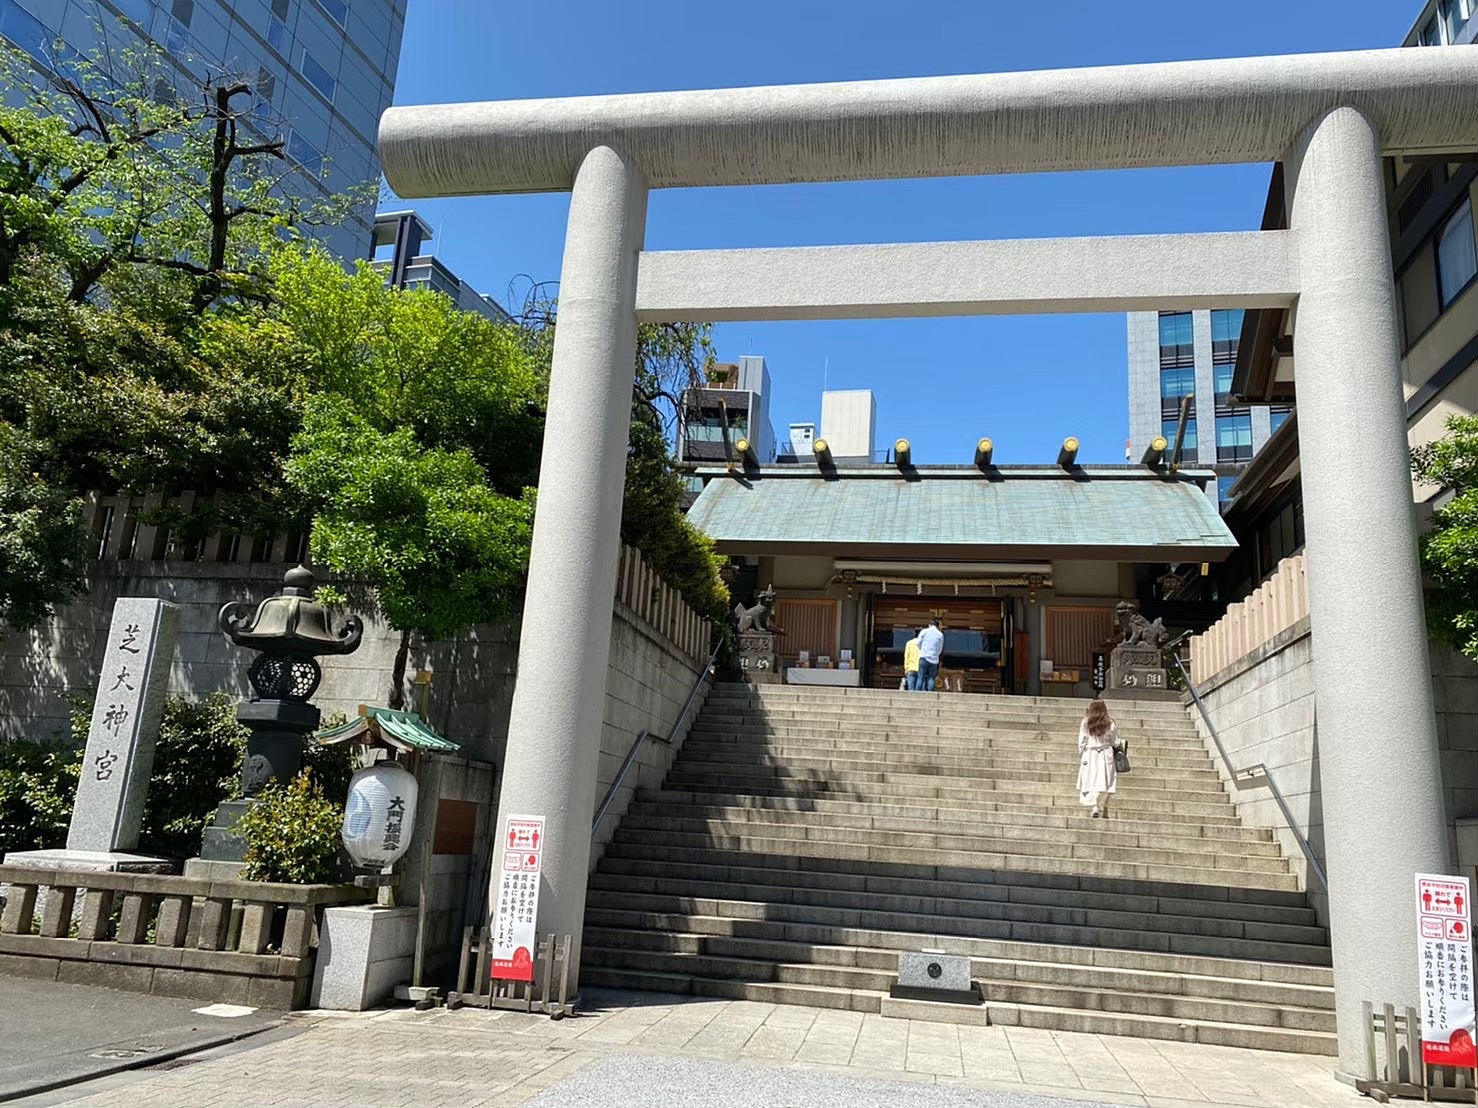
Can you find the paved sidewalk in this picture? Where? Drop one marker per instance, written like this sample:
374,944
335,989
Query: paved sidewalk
651,1049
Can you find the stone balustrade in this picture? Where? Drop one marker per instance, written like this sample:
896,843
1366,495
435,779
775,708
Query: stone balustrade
242,942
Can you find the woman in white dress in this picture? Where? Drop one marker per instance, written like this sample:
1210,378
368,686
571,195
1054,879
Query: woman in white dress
1097,741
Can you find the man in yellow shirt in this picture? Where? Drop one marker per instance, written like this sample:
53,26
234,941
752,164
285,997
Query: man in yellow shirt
911,664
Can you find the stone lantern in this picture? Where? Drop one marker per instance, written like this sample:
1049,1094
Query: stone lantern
289,630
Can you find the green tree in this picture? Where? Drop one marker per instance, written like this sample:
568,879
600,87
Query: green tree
419,526
42,554
134,230
1449,549
670,358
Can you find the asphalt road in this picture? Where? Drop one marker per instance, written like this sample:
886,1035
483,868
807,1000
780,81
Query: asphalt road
53,1035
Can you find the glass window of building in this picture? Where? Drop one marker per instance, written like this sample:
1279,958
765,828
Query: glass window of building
338,10
1455,17
277,35
1222,371
1234,437
25,30
1167,428
1224,488
1431,34
304,152
318,76
1177,339
1277,417
1176,383
1226,330
1457,260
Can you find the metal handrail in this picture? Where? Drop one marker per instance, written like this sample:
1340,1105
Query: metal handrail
605,805
1240,777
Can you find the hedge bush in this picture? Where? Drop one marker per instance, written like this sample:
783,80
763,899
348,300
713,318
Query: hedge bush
292,833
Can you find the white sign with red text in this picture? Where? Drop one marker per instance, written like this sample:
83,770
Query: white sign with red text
1444,915
514,934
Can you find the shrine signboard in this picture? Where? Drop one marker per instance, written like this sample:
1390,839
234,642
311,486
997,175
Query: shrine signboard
516,918
1445,969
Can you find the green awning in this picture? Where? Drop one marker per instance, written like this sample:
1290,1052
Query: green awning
1124,513
400,730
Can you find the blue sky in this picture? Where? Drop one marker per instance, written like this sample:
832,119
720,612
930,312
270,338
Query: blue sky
1024,381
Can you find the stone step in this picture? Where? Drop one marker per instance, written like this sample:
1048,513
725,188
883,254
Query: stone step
791,922
1211,819
778,695
676,895
1126,805
824,828
1063,767
1268,906
944,704
669,953
1132,796
905,721
1002,1014
979,748
1154,955
953,849
1168,979
642,844
1101,1023
954,821
942,897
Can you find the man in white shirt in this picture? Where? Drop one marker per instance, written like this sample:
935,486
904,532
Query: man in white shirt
931,646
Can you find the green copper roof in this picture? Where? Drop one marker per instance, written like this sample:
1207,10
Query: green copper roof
402,730
1124,513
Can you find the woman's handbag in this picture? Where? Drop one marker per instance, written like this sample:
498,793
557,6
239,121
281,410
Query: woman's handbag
1121,759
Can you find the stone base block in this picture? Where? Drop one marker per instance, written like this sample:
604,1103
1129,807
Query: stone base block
208,870
92,861
221,842
364,952
1168,695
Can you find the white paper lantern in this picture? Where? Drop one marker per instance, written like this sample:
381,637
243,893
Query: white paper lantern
379,814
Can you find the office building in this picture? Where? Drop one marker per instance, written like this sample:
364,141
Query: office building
398,241
734,404
1177,354
323,70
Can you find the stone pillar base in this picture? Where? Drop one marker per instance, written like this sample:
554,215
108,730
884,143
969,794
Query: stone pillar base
364,952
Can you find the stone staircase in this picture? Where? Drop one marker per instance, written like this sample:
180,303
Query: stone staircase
806,835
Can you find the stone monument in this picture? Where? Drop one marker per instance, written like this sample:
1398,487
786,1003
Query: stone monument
1136,668
290,630
109,806
758,662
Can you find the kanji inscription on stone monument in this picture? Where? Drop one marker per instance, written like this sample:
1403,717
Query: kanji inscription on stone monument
125,725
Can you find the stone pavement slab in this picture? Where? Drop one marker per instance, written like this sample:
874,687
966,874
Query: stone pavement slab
704,1083
650,1049
55,1034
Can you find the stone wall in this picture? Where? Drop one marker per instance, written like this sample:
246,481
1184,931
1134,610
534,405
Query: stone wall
650,675
647,683
472,676
1264,711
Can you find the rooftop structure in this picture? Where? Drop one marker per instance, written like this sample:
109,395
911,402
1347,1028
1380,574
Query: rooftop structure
398,238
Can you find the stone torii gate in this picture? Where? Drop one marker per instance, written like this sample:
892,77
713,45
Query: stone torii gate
1329,117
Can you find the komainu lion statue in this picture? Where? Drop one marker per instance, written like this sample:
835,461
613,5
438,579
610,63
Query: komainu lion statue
757,618
1139,631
